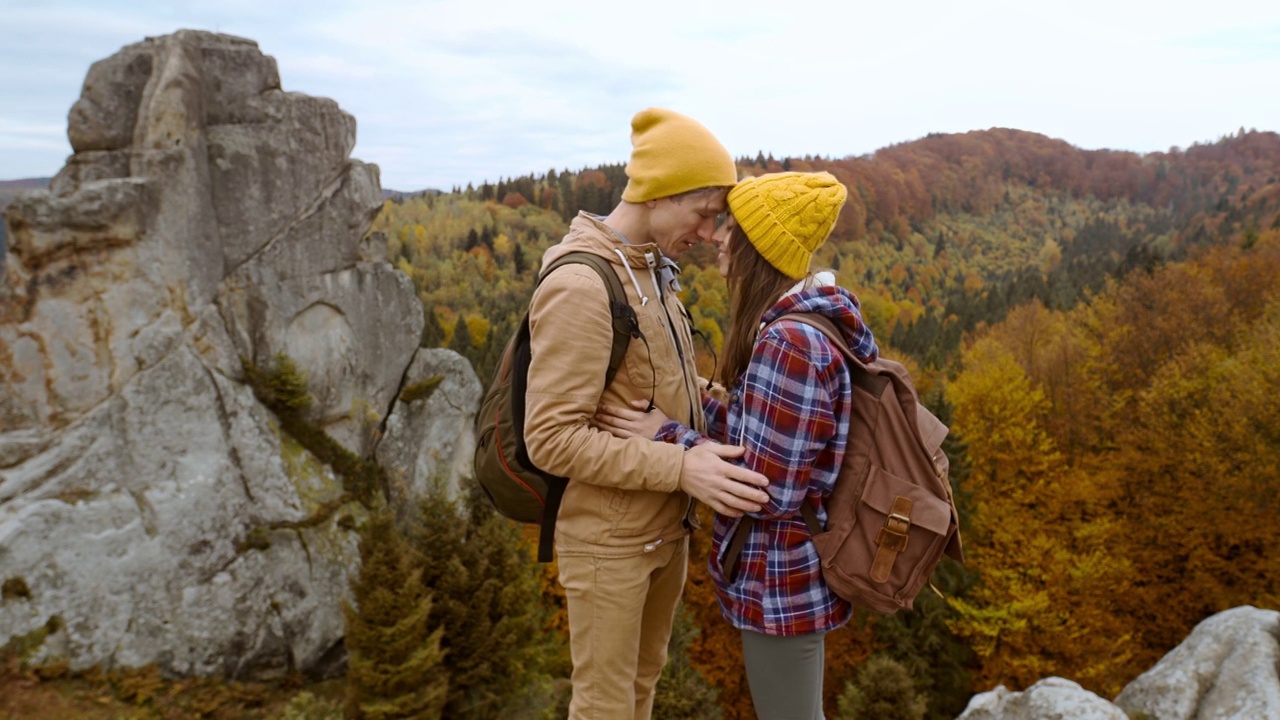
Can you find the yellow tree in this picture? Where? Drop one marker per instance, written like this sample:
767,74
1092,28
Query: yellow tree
1201,472
998,413
1042,605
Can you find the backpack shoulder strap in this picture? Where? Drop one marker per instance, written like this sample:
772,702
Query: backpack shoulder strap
860,376
875,376
625,324
858,373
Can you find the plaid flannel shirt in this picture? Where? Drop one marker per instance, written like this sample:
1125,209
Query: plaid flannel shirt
790,410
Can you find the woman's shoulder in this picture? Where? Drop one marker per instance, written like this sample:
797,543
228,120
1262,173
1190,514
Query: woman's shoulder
798,343
796,332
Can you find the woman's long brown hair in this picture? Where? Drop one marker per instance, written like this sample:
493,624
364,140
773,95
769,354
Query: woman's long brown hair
754,286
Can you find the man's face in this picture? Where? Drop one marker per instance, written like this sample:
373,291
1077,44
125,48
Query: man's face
678,223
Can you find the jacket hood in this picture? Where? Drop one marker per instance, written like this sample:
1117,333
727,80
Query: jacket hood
589,232
820,295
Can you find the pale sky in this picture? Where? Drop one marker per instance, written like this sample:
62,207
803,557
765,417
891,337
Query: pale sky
447,92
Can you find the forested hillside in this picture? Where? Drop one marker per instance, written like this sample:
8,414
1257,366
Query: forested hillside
1100,328
1125,460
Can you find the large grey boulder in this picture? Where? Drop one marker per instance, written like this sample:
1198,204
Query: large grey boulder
1226,669
429,437
1050,699
151,508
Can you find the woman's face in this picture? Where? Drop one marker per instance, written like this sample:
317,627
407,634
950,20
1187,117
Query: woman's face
724,231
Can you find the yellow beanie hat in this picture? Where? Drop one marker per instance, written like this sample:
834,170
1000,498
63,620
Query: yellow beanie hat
787,216
671,154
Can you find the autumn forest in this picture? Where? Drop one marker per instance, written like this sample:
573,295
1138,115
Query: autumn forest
1100,329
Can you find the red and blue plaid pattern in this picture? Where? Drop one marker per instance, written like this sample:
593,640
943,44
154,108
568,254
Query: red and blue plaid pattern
790,410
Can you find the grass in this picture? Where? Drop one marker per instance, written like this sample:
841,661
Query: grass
53,692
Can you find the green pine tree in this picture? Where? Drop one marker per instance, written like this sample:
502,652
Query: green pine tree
491,355
923,644
881,690
394,656
683,693
487,597
461,340
518,259
922,641
432,333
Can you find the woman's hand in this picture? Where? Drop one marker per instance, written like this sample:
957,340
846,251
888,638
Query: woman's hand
628,422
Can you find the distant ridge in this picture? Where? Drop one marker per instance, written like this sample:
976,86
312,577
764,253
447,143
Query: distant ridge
9,188
389,194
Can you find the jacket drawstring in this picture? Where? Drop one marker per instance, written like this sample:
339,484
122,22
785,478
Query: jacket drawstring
644,299
651,262
637,333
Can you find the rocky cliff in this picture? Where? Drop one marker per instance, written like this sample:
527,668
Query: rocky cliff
151,508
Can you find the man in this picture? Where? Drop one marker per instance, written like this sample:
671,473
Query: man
622,531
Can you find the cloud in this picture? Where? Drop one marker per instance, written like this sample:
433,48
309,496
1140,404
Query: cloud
447,92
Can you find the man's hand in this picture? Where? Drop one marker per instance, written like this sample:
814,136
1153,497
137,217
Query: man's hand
730,490
634,421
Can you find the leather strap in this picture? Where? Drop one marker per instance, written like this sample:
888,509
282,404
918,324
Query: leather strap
735,547
892,538
744,528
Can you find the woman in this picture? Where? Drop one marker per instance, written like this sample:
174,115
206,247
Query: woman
789,393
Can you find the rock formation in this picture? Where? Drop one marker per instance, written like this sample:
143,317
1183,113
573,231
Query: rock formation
151,508
1050,699
1226,669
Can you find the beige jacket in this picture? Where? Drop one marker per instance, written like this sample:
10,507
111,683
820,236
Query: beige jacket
622,497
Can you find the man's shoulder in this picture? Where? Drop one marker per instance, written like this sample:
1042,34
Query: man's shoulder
571,288
573,273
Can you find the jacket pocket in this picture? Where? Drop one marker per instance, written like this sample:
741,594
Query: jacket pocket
617,503
877,557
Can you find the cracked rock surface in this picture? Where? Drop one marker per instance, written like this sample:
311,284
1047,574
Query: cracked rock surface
207,217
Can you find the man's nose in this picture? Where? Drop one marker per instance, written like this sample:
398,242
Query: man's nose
707,229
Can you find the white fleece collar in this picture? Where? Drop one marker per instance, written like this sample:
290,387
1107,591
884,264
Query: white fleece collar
824,278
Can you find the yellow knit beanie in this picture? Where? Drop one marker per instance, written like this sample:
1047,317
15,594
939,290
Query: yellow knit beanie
787,216
672,154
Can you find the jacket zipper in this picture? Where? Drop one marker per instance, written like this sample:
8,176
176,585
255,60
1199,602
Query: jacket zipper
675,336
690,520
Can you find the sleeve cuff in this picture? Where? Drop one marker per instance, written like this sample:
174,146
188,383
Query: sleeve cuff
675,433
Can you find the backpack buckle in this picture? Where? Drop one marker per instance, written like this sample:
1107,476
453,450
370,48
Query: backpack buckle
898,523
893,536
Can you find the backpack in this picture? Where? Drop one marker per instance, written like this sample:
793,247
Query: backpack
890,517
517,488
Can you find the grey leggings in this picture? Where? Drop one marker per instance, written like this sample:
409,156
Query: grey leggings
785,675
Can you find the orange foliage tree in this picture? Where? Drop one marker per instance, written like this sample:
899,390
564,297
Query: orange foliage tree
1142,498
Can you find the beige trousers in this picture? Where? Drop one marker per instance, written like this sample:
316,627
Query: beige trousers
620,615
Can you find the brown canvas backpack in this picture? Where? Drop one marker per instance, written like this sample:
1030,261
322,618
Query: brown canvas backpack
891,517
